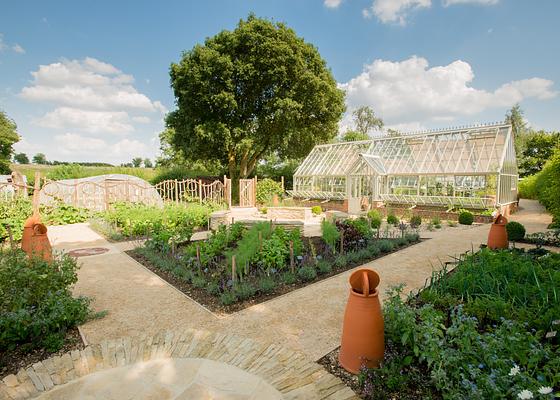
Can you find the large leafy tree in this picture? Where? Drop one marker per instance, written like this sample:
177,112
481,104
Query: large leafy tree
251,92
538,149
137,162
365,120
8,136
521,132
21,158
40,158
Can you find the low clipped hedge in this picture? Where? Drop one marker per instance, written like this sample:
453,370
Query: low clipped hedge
545,186
515,231
466,218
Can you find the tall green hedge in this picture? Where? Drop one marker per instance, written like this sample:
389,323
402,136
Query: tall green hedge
545,186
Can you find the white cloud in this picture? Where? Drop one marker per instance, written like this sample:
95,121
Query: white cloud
117,122
142,120
89,84
332,3
92,103
74,146
410,91
394,11
18,49
100,67
447,3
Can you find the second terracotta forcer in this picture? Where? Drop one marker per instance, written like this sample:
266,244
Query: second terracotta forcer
363,340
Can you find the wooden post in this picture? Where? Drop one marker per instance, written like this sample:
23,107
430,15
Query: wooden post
36,192
11,237
292,262
282,183
260,240
255,192
233,271
75,196
106,195
200,191
176,191
342,242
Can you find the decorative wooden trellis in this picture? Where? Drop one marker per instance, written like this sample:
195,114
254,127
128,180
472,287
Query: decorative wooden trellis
101,194
248,192
195,190
98,195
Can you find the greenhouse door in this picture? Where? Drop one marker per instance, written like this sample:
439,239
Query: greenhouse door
362,192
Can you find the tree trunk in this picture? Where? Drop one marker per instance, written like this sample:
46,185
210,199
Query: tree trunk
234,176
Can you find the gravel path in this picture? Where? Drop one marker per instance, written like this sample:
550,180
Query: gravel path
308,319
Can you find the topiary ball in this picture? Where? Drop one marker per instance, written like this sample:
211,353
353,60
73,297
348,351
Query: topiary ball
515,231
466,218
415,221
392,219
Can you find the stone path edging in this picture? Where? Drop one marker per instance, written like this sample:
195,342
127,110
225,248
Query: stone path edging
288,371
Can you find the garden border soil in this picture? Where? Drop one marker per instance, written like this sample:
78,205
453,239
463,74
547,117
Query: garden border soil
330,362
213,303
12,361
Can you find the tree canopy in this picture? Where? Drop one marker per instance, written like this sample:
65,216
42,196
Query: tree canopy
537,150
148,163
365,120
8,136
247,93
21,158
352,136
137,162
40,158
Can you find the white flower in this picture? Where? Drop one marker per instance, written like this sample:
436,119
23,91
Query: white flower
545,390
525,394
514,370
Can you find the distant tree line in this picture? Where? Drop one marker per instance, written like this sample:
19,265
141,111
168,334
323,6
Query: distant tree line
41,159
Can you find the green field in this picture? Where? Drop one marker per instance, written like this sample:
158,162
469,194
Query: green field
57,172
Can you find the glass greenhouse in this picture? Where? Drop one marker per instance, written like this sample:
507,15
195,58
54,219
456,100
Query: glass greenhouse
472,167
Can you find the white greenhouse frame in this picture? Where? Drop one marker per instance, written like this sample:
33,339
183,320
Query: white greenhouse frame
471,167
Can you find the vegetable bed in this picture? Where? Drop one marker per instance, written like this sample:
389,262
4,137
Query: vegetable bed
237,267
486,330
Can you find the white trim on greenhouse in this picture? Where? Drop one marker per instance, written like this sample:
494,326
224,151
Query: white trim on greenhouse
470,167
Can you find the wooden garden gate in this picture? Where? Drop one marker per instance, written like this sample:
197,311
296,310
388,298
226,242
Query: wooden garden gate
248,192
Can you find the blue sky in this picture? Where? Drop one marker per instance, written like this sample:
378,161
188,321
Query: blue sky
89,80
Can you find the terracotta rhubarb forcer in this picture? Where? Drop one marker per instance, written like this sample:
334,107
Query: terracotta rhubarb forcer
363,340
497,237
28,231
39,243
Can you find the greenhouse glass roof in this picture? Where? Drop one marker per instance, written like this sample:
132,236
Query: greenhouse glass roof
469,150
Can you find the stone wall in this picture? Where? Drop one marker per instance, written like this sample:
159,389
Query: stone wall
286,370
335,205
288,213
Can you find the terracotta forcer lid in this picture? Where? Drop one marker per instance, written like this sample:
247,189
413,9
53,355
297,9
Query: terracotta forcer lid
364,278
500,220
